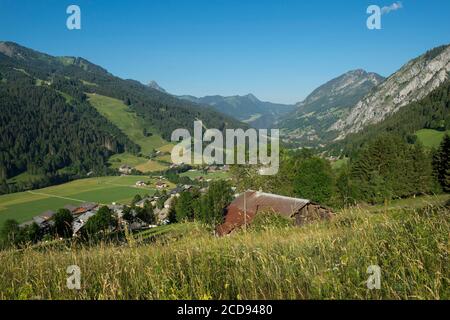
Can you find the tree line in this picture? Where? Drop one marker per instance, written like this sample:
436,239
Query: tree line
386,168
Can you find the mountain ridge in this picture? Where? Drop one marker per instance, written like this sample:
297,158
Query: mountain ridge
33,83
412,82
309,122
247,108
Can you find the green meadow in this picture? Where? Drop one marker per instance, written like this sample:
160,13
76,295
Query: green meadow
431,138
23,206
127,121
213,175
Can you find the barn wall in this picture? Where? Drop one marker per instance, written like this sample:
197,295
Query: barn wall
312,212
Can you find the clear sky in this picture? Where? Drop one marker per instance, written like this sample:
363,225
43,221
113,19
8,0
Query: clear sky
280,50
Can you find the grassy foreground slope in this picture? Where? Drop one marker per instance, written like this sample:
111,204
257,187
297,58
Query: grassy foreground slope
325,260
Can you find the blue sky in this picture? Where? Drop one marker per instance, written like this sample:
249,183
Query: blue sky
280,50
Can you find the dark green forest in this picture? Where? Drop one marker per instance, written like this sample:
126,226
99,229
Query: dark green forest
42,133
47,125
386,168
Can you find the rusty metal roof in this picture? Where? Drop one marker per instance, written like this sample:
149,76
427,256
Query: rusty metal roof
258,202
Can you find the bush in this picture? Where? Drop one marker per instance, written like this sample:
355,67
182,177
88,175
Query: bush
63,223
100,222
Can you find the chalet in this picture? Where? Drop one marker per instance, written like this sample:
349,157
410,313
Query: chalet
176,191
44,221
47,215
161,185
163,213
125,169
71,208
140,184
138,224
83,208
117,209
80,222
176,165
180,188
250,203
142,202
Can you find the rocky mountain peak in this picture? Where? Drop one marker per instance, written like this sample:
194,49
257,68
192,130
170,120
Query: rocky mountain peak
154,85
412,82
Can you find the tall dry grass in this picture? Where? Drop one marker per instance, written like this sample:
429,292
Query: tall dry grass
325,260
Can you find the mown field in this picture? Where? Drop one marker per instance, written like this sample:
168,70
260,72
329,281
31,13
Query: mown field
133,126
139,163
431,138
322,260
23,206
127,121
213,175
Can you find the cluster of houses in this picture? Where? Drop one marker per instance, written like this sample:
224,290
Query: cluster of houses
83,212
163,213
81,215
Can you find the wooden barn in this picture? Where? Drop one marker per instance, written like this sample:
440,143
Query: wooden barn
247,205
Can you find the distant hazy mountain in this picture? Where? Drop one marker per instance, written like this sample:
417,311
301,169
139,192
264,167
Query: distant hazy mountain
248,108
328,103
154,85
412,82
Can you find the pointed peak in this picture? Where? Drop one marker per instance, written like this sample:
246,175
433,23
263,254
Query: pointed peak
251,96
154,85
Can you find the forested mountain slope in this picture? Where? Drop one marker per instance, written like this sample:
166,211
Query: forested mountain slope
431,112
47,123
332,101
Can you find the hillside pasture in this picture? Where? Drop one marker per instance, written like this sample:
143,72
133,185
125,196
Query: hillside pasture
219,175
127,121
431,138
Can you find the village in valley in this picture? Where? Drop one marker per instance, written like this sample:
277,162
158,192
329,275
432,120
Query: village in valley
237,214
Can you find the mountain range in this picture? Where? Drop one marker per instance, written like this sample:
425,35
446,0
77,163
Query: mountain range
414,81
50,125
344,105
309,122
247,108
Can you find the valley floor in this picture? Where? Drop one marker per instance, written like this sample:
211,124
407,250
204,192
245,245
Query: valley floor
23,206
324,260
